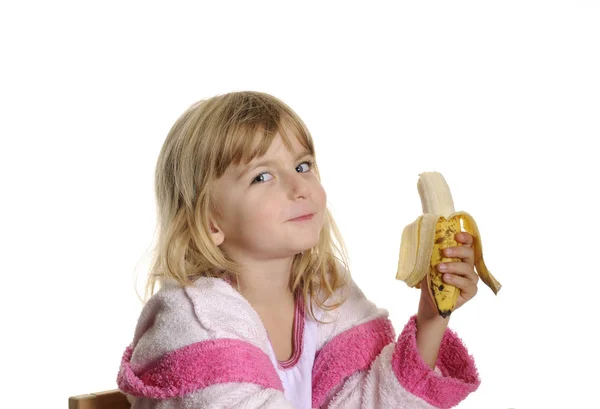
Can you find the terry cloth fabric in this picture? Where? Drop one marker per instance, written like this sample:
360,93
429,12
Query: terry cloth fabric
204,346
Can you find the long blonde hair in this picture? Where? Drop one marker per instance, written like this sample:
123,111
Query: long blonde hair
209,136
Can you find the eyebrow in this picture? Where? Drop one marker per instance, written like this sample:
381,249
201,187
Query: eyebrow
251,166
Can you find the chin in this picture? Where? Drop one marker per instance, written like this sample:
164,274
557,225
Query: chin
307,245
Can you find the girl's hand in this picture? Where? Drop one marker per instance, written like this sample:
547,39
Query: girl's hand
460,274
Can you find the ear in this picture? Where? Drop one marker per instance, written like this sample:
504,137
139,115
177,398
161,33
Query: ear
216,233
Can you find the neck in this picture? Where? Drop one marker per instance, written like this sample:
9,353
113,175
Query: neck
266,284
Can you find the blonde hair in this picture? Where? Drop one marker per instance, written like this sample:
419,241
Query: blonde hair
205,140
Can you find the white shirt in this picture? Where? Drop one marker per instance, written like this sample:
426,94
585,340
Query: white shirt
296,373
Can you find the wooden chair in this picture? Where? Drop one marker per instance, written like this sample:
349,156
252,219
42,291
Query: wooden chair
113,399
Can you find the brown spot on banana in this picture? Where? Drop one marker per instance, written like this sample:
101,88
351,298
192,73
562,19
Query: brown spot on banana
444,295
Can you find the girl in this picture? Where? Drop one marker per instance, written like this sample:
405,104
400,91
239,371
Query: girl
257,307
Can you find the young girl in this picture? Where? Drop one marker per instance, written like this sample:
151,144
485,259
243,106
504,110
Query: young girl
256,306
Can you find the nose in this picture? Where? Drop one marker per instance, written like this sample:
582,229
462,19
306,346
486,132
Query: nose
299,187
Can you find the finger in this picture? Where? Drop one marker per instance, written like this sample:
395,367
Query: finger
459,268
467,287
466,254
465,238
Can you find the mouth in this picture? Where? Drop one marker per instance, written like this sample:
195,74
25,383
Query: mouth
302,218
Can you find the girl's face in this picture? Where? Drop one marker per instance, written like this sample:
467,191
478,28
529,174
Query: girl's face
258,202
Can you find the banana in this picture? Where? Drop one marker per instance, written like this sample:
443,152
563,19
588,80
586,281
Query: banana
424,240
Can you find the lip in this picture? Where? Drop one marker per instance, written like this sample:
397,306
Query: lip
307,216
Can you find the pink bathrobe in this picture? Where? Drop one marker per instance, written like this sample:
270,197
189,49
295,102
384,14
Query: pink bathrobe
205,347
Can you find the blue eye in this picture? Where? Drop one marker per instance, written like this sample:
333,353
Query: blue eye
308,162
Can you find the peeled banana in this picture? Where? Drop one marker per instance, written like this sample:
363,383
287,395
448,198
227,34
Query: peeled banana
424,240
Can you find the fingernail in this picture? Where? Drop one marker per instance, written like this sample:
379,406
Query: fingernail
448,252
447,277
442,266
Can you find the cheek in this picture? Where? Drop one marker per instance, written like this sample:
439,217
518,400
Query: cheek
261,212
321,196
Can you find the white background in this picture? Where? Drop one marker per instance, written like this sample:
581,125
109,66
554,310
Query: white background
503,99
